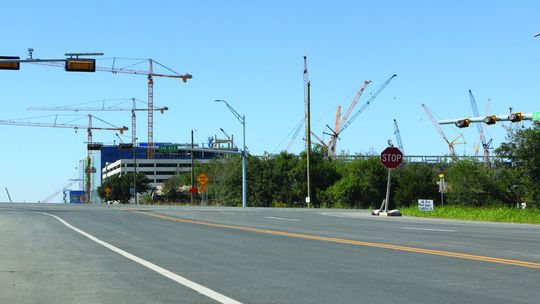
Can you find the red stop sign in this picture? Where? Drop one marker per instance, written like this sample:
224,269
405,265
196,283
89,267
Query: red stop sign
391,157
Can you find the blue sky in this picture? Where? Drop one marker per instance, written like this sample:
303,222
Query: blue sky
250,53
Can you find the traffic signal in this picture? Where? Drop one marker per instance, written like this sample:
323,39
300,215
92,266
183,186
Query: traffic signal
9,65
125,146
463,123
515,117
95,146
490,120
80,65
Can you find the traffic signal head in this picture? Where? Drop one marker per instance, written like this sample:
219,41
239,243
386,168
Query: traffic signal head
80,65
463,123
9,65
490,120
515,117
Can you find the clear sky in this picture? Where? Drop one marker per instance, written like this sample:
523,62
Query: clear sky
250,53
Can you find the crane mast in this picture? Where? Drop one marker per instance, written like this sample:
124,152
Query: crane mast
150,74
88,168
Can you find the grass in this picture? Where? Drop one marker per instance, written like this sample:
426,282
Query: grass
488,214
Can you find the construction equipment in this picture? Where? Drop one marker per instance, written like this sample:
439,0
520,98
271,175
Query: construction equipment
342,121
347,122
321,142
81,108
149,73
486,145
90,146
398,136
440,131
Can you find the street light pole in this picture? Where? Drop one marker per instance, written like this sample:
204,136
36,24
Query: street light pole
242,120
192,169
135,173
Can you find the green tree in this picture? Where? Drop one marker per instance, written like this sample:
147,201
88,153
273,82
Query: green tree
522,151
120,185
414,181
471,183
172,188
362,185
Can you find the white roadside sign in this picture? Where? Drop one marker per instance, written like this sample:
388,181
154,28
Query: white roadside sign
425,205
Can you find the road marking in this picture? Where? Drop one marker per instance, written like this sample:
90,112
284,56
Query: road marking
428,229
162,271
458,255
282,218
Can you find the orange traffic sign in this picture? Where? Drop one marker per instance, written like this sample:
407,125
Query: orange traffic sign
202,178
202,187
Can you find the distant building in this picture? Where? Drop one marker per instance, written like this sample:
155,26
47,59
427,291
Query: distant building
168,161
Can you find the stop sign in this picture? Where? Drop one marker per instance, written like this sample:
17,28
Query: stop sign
391,157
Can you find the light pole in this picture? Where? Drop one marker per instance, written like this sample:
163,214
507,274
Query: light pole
135,171
242,120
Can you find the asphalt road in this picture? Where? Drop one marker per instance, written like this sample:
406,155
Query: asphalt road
132,254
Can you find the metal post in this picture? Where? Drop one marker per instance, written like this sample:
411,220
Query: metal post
135,175
388,191
242,120
192,169
244,182
308,142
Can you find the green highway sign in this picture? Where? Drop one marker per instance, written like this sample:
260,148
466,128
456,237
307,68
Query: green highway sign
536,116
168,149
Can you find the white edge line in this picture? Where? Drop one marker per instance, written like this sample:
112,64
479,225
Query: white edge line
283,219
427,229
162,271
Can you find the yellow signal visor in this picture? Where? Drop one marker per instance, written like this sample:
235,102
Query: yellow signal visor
81,65
7,65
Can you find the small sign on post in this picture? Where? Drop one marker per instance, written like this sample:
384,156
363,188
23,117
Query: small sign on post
425,205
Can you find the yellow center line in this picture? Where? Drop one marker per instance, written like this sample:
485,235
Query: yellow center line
350,242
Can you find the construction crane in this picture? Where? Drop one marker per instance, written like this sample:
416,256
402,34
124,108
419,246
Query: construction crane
150,76
89,168
347,122
133,109
60,190
340,121
321,142
486,145
440,131
398,136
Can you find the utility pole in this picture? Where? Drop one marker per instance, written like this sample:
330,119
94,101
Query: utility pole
307,96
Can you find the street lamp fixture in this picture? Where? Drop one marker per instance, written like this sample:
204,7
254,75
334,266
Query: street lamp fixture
242,120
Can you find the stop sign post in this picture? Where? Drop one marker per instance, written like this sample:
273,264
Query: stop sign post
391,158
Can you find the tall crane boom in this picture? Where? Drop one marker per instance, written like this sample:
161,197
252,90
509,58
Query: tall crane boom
104,108
368,102
398,136
440,131
485,144
150,74
89,169
341,121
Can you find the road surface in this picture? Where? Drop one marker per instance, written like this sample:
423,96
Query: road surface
143,254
